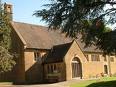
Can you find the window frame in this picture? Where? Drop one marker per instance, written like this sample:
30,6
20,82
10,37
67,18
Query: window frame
95,57
105,58
37,55
87,57
111,59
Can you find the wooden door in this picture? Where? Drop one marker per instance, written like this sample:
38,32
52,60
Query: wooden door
76,69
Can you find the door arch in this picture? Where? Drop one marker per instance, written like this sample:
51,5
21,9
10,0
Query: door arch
76,68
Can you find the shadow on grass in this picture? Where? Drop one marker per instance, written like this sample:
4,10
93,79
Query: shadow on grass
103,84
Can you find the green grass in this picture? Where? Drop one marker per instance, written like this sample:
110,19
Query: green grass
103,82
5,83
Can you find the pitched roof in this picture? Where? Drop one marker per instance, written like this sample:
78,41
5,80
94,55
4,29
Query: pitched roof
57,53
39,37
91,48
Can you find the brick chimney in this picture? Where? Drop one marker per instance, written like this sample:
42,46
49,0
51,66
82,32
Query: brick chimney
8,11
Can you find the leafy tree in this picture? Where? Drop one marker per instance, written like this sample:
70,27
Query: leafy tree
87,17
6,59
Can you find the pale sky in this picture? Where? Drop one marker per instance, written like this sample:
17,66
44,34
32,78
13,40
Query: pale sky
24,9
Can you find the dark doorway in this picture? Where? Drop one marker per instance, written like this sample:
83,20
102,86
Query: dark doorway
76,68
105,69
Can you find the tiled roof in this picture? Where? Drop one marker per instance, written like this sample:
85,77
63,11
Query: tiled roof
57,53
87,49
40,37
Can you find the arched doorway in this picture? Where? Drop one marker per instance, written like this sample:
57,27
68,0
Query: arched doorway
76,68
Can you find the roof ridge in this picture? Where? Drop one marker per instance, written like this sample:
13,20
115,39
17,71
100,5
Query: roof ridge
30,24
63,44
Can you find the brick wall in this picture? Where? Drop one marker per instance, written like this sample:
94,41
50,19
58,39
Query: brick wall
18,50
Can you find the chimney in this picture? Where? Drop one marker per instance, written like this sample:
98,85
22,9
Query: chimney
8,11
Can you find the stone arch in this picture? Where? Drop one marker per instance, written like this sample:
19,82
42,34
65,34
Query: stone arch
76,68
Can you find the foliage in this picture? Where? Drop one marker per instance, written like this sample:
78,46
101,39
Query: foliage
6,59
87,17
4,29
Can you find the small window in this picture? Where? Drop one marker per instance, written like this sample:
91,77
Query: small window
9,7
105,69
112,59
87,57
52,68
36,56
95,57
48,69
105,58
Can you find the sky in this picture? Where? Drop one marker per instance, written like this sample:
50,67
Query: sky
23,10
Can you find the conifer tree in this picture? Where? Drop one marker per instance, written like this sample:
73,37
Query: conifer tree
6,59
87,17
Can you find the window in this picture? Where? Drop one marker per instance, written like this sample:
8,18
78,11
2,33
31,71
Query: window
52,68
105,69
112,59
37,56
105,58
48,69
87,57
95,57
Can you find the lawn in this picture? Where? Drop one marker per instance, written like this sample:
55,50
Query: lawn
6,83
103,82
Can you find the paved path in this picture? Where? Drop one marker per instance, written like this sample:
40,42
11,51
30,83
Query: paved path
46,85
60,84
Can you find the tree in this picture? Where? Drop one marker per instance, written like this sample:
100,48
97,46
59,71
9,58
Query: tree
87,17
6,59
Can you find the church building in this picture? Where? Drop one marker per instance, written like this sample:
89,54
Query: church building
49,56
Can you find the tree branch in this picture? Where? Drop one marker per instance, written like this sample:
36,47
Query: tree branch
94,4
